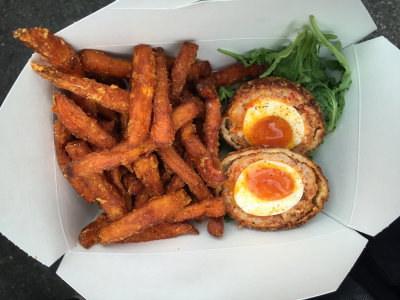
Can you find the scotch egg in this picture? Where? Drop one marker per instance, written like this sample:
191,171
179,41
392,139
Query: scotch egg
272,188
273,111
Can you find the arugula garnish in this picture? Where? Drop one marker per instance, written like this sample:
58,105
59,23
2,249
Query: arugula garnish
326,79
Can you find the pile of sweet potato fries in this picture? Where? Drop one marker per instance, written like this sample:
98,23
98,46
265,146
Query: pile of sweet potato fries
147,151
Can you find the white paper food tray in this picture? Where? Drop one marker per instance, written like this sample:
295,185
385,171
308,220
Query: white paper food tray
42,214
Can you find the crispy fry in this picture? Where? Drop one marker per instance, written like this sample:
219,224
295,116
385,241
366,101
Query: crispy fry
213,207
162,130
175,184
194,182
199,69
51,48
146,169
89,235
79,123
142,198
140,98
98,62
213,117
235,74
132,185
184,60
162,231
121,154
61,137
111,97
107,195
215,226
107,125
138,220
213,176
115,176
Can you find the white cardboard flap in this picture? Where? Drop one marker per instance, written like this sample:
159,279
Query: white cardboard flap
377,199
219,20
29,214
275,270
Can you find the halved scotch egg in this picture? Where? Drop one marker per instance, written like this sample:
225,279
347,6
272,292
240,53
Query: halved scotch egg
272,188
273,111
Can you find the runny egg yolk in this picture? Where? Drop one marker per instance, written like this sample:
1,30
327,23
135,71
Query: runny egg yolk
273,123
266,188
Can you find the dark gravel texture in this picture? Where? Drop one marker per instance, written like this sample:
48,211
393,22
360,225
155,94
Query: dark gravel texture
376,274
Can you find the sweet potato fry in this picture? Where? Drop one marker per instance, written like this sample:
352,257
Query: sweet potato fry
146,169
107,195
213,117
98,62
89,235
142,198
79,123
162,231
162,130
235,74
184,171
215,226
115,176
213,207
121,154
51,48
111,97
175,184
132,185
213,176
184,60
138,220
140,98
61,137
200,69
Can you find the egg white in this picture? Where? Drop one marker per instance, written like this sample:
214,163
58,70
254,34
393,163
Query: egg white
271,107
253,205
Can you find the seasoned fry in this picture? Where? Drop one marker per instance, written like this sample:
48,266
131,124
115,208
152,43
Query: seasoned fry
132,185
51,48
162,130
200,69
146,169
213,117
162,231
175,184
107,195
61,137
121,154
115,176
79,123
111,97
98,62
213,176
138,220
142,198
213,207
89,235
184,171
235,74
215,226
184,60
140,98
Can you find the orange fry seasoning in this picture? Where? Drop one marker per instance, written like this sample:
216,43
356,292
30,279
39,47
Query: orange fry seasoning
213,118
235,74
162,130
203,161
108,96
200,69
215,226
109,198
89,235
140,98
183,62
184,171
163,231
51,48
80,124
146,169
213,207
138,220
100,63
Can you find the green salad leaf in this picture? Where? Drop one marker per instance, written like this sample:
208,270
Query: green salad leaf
326,79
